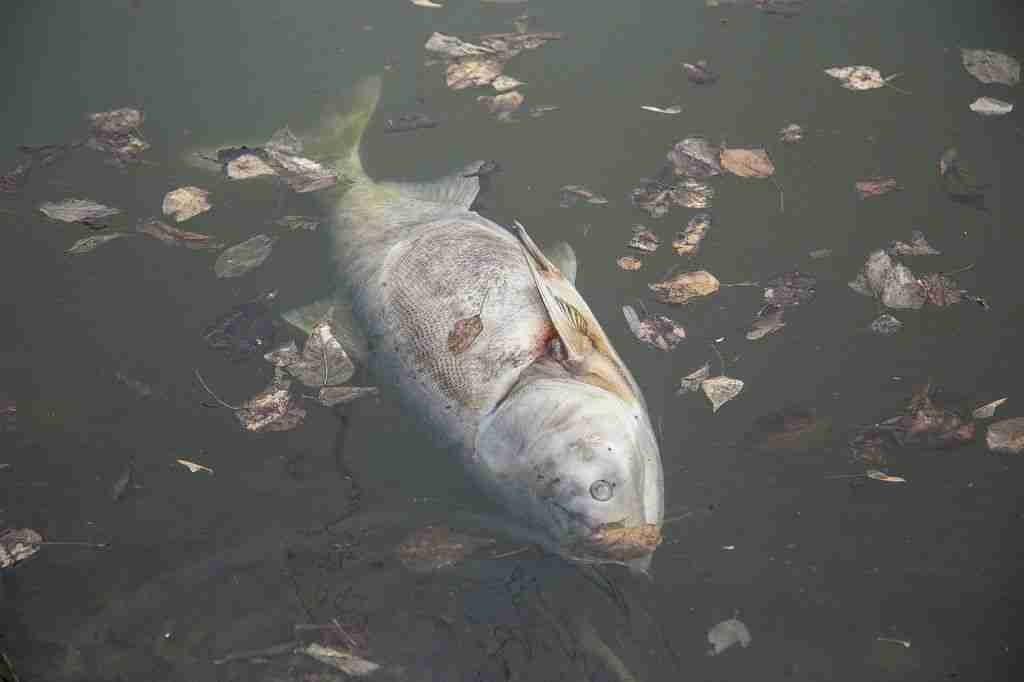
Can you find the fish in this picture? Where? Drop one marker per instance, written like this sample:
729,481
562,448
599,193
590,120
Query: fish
486,340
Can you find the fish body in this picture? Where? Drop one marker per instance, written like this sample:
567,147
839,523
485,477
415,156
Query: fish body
487,341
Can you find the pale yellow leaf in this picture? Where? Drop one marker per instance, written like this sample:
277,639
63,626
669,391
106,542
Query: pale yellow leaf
193,467
882,476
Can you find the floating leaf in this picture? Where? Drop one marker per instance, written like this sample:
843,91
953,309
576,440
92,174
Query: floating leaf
726,634
700,72
990,106
186,202
885,325
767,322
875,187
87,244
644,240
659,331
472,73
688,241
695,157
629,263
178,237
720,390
1006,436
300,174
857,77
691,382
274,409
193,467
330,396
570,195
116,132
894,284
959,183
504,105
241,258
77,211
820,253
323,361
247,165
918,246
408,122
988,410
747,163
435,547
505,83
685,286
450,46
941,290
675,109
791,134
18,545
298,222
989,66
882,476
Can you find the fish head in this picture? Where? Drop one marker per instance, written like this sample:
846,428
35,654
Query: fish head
580,467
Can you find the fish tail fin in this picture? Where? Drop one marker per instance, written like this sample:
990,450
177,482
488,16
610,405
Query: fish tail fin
340,132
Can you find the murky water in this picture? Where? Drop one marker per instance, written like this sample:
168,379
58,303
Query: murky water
300,527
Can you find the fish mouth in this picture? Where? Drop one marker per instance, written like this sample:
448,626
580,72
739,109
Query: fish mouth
619,542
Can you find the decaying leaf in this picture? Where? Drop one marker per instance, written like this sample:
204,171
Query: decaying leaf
251,327
691,193
657,196
882,476
1006,436
472,65
685,286
340,659
659,331
472,73
644,240
629,263
695,157
688,241
959,182
768,321
274,409
692,381
924,424
87,244
450,46
893,283
988,410
330,396
941,290
700,72
464,333
747,163
675,109
435,547
178,237
193,467
77,211
505,83
246,165
885,325
990,106
720,390
299,173
791,134
17,545
117,132
322,362
504,105
186,202
918,246
790,289
858,77
726,634
239,259
990,66
570,195
792,429
874,187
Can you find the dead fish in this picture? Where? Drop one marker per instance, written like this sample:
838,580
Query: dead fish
543,413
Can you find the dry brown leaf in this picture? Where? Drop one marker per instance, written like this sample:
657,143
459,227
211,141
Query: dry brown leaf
685,286
464,334
18,545
1006,436
186,202
720,390
988,410
178,237
747,163
692,381
644,240
436,547
657,330
874,187
688,241
629,263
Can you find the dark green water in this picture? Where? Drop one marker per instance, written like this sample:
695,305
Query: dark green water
820,567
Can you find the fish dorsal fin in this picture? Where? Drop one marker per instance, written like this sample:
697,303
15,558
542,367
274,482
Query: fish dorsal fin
458,190
588,352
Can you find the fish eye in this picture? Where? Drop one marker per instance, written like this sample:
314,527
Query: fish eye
602,490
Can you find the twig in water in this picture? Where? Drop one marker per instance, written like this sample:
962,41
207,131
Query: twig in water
93,545
904,642
892,77
8,670
782,195
212,394
959,270
721,360
269,652
514,552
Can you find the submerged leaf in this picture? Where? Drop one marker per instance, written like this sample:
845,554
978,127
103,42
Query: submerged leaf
695,157
692,381
87,244
340,659
700,72
941,290
504,105
894,284
186,202
720,390
409,122
453,47
747,163
685,286
659,331
990,106
251,327
18,545
1006,436
77,210
505,83
330,396
988,410
990,66
570,195
918,246
688,241
791,134
323,361
247,165
726,634
767,322
885,325
298,222
876,187
435,547
472,72
300,174
177,237
241,258
644,240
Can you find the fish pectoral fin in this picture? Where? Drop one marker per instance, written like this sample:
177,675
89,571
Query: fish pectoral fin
338,311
